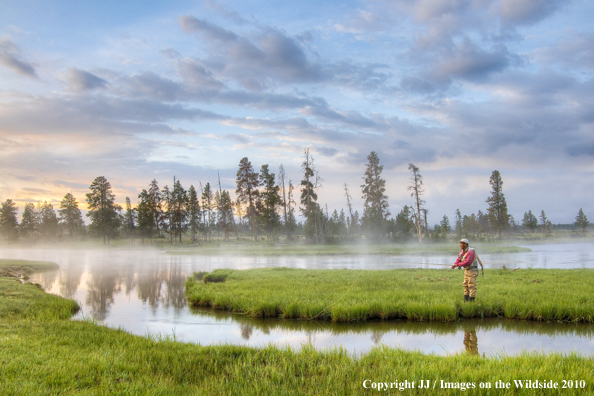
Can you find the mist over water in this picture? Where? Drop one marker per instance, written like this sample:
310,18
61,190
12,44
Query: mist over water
142,291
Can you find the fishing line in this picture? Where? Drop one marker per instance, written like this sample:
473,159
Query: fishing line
340,298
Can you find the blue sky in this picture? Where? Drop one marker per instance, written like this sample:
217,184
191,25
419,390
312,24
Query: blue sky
141,90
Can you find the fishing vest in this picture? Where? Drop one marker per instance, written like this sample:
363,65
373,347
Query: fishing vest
462,257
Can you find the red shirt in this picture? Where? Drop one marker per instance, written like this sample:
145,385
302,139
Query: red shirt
465,261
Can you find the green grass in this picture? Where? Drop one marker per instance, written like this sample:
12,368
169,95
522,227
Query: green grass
23,268
414,294
332,250
42,353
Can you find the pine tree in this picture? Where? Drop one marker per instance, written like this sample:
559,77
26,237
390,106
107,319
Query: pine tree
225,213
311,211
48,222
29,226
581,221
530,221
8,220
194,213
145,219
458,219
103,211
497,211
291,224
154,207
130,220
545,223
416,186
207,207
247,183
179,212
281,183
445,225
69,215
404,224
271,201
376,211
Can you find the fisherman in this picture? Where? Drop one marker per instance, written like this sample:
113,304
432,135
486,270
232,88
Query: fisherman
468,260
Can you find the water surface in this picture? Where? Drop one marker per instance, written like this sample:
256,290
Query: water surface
142,291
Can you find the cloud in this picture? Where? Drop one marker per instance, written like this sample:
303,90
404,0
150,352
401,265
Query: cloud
526,12
11,58
81,80
211,31
268,59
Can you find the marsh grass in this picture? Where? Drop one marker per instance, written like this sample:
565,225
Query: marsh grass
42,353
413,294
23,268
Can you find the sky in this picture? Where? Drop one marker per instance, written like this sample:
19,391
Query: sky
142,90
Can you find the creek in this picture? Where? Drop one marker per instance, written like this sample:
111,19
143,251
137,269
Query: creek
142,291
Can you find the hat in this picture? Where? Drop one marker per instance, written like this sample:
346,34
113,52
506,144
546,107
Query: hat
465,241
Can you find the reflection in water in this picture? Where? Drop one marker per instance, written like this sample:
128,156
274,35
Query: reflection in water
470,338
246,330
143,292
376,336
101,289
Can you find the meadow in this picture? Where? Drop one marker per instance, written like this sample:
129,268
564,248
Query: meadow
413,294
44,353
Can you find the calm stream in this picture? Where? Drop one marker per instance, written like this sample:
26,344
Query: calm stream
142,291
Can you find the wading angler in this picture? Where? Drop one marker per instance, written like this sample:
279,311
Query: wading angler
468,259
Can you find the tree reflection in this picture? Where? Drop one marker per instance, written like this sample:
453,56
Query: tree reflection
69,281
101,289
162,286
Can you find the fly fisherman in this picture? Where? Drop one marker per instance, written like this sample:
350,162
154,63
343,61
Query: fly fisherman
468,260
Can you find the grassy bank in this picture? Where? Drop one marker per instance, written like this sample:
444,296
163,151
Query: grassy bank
42,353
23,268
419,295
334,250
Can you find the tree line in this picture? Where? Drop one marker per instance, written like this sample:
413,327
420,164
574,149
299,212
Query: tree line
264,207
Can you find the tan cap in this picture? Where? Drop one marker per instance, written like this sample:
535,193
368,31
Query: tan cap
465,241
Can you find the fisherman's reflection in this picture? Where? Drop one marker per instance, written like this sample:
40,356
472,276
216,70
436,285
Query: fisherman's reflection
470,340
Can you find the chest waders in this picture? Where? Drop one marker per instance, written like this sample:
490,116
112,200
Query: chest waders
470,275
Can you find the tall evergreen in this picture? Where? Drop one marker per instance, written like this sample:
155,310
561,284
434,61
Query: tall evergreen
497,210
581,220
416,188
376,211
103,211
29,222
271,201
130,220
544,222
155,206
8,220
225,213
207,207
313,227
291,223
145,220
247,182
69,215
48,222
530,221
179,212
194,213
281,183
